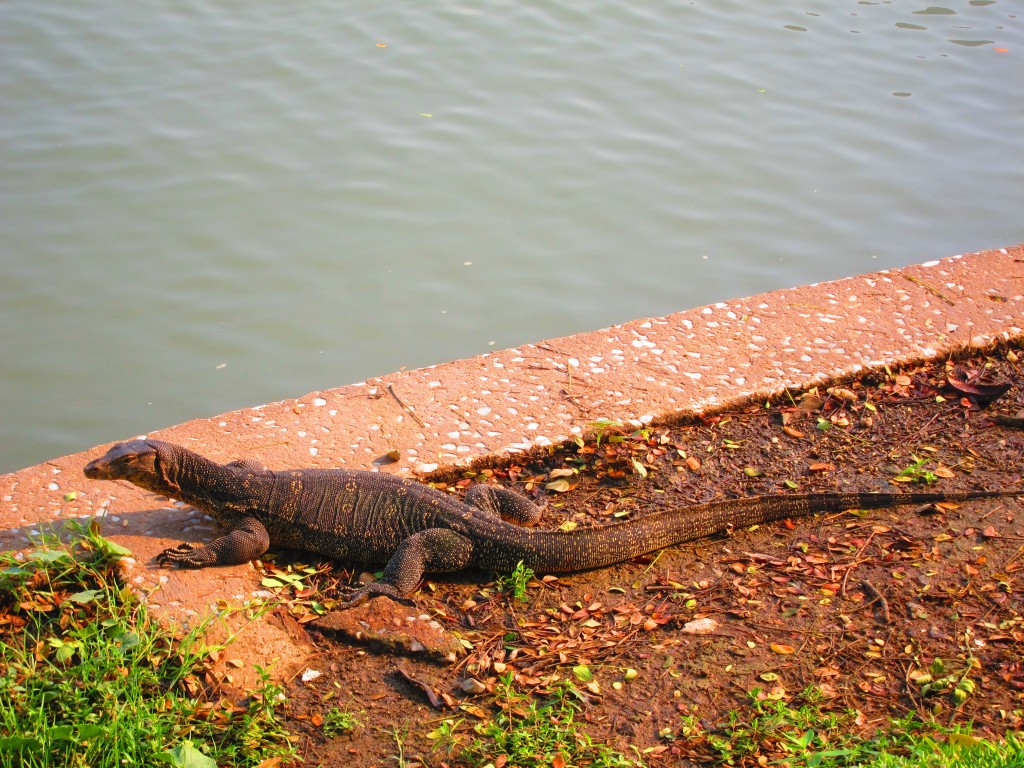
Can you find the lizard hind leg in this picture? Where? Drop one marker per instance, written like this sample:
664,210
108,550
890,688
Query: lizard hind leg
510,506
250,464
435,550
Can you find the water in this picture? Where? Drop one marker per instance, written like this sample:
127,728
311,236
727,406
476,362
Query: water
206,206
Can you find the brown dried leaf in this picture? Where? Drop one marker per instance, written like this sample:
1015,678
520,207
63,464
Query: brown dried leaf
980,386
561,485
842,392
811,401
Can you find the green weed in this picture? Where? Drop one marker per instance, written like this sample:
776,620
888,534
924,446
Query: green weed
515,583
916,473
530,733
775,732
338,721
601,427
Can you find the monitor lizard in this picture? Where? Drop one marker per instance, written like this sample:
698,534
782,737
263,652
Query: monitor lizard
375,517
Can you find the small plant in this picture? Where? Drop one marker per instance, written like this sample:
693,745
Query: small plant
401,737
939,680
601,427
339,721
515,583
445,735
530,733
916,473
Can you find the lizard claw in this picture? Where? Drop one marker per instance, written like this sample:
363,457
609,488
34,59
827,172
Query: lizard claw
371,590
179,554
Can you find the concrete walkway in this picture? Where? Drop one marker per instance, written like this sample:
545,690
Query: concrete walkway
533,395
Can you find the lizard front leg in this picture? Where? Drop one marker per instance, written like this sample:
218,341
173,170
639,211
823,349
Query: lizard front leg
435,550
246,541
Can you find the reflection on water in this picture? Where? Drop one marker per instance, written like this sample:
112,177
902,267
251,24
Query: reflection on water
209,206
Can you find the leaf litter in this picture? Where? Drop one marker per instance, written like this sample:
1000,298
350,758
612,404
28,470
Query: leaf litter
884,613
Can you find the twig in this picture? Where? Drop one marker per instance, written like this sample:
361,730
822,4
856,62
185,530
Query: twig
789,630
876,597
856,562
391,391
1014,556
928,288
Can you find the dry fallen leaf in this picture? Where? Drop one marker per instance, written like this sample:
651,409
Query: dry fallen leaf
845,394
559,486
983,386
783,649
700,627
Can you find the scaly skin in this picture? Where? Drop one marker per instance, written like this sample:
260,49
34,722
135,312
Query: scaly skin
374,517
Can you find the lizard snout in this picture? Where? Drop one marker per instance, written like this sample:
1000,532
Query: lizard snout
94,469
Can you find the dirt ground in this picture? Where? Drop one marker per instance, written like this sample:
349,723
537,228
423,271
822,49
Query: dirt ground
856,604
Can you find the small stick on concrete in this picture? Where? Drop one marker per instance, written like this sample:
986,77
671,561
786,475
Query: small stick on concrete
928,288
391,391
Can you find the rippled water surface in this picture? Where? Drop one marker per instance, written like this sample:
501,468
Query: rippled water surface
205,206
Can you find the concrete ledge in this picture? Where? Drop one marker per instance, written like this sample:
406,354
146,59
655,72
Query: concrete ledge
536,395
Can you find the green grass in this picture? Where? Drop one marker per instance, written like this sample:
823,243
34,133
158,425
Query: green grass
338,721
776,732
530,733
88,679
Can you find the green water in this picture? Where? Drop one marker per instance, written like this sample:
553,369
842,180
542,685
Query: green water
206,206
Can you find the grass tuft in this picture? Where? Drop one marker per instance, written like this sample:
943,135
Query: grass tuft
88,679
529,733
772,731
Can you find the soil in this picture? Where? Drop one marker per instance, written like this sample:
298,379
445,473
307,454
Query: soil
856,604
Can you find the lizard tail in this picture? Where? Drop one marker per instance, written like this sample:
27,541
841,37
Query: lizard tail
562,551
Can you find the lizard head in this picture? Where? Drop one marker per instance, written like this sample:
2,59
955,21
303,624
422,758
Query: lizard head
137,461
